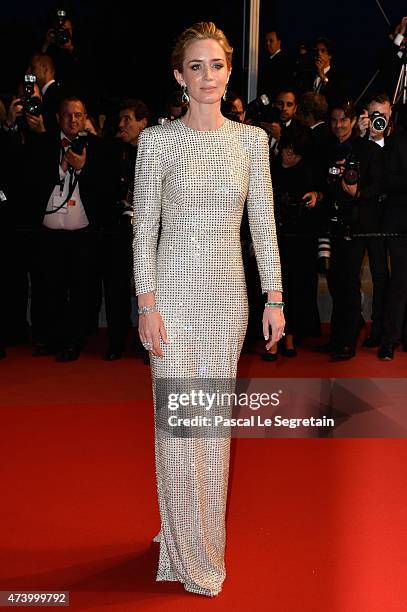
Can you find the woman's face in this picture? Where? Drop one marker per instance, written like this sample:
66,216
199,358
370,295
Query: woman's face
204,71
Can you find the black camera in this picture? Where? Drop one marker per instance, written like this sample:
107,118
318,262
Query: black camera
351,174
61,35
289,209
256,109
79,142
379,121
32,105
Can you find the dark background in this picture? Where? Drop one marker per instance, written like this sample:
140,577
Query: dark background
127,46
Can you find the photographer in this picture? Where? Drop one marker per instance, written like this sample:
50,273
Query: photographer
354,184
296,195
375,123
280,117
24,115
72,193
59,44
234,107
395,220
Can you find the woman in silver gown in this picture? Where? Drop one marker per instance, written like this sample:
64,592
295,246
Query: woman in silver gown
193,176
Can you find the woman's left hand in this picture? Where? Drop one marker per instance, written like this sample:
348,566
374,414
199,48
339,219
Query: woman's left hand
273,317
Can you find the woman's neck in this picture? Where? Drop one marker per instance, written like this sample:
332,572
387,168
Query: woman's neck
203,117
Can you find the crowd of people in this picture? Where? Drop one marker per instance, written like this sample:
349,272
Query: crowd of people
66,211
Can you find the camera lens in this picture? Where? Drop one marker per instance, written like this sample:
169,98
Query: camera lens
379,124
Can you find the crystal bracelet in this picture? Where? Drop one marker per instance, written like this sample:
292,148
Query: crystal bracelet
143,310
275,305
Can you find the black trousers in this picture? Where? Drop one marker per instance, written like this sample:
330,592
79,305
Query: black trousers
344,284
117,266
14,287
300,285
395,324
65,274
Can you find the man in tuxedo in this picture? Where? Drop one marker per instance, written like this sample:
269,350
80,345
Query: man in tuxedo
277,68
71,198
322,77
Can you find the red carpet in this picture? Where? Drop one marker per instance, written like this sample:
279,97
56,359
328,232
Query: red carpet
313,525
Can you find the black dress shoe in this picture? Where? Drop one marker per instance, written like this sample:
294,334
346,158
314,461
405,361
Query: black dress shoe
288,352
404,346
112,354
267,356
69,353
43,349
371,342
386,351
328,347
343,353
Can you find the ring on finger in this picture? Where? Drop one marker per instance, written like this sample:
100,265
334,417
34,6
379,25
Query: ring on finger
147,345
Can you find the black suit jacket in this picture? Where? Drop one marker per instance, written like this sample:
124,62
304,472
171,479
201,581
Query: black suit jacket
395,182
366,210
334,90
276,74
320,138
98,180
50,106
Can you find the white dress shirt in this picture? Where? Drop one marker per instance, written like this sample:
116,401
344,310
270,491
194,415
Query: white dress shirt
44,89
318,80
72,215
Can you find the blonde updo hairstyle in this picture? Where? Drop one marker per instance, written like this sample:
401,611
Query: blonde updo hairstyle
203,30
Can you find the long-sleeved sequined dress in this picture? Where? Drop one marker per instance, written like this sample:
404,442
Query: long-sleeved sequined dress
191,187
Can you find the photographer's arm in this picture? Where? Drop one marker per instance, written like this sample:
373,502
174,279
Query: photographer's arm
49,40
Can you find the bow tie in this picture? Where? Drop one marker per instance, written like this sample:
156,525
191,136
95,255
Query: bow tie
65,143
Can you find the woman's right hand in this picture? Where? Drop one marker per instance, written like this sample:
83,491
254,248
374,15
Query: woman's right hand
151,328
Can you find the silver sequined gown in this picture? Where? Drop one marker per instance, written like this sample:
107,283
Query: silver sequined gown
195,183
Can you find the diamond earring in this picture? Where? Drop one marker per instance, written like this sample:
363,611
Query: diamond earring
185,96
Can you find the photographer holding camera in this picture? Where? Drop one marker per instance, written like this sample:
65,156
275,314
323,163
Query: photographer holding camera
24,115
375,123
59,44
395,221
354,184
72,195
